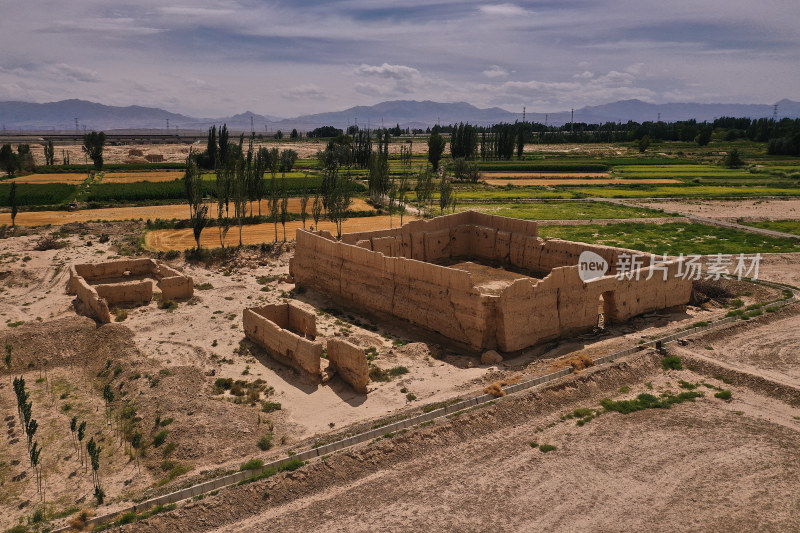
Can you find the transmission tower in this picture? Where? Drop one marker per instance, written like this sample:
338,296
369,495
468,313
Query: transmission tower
775,112
523,114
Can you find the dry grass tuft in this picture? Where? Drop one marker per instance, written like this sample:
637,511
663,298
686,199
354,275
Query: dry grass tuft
496,388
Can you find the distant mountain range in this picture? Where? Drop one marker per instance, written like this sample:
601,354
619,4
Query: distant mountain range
407,113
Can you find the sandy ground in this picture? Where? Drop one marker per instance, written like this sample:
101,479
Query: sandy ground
152,212
183,351
574,181
781,268
701,465
754,210
181,239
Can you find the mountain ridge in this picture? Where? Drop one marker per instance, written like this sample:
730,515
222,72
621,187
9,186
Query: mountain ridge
16,115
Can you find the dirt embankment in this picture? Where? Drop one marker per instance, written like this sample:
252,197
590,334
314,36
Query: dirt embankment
614,462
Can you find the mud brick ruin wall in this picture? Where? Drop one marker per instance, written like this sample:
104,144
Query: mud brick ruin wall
391,272
172,283
350,363
96,299
287,331
91,302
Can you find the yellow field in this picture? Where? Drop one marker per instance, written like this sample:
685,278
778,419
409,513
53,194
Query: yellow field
181,239
133,177
180,211
70,178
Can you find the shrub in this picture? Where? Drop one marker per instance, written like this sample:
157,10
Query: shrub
411,397
268,407
544,448
160,437
172,254
398,371
204,286
223,384
168,305
724,394
252,464
672,362
265,442
119,314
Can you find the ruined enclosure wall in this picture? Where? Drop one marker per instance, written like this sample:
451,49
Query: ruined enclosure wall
134,292
91,302
390,271
281,343
116,269
350,363
531,311
440,299
172,283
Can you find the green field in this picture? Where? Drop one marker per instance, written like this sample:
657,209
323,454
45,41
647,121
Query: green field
784,226
673,238
565,211
37,194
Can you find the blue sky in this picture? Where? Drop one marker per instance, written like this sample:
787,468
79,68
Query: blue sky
285,58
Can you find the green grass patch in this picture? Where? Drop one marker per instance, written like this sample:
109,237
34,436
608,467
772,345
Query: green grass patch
784,226
131,517
673,239
671,362
289,466
545,448
648,401
565,211
724,394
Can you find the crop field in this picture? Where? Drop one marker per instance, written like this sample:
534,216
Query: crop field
564,211
37,194
182,239
501,182
784,226
133,177
73,178
673,239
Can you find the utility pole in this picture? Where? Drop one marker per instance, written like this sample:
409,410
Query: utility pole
572,120
167,126
775,113
523,114
252,131
76,125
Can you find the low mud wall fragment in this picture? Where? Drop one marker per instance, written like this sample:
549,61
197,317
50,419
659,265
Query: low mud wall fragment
273,327
350,362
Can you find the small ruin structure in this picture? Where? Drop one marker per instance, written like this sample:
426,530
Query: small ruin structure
100,286
288,330
485,281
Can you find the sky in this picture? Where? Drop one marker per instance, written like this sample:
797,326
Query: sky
212,58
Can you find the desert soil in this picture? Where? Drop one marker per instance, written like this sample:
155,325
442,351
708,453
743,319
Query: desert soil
705,464
730,210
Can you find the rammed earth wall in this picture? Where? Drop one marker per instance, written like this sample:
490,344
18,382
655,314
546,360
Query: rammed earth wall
392,272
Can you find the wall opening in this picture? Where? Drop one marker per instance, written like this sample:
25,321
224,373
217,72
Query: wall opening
605,309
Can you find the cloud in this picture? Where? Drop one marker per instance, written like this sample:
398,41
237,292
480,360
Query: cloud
495,71
395,72
584,75
65,72
304,92
502,10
